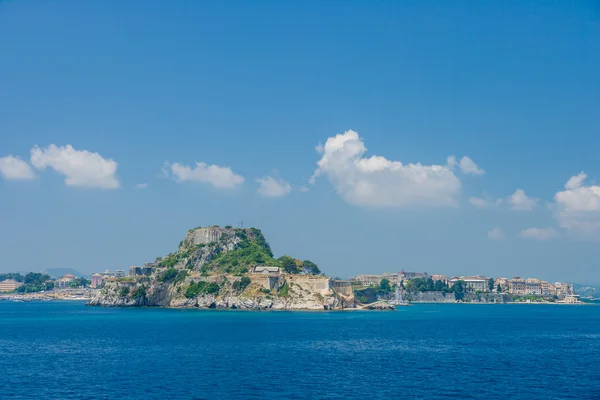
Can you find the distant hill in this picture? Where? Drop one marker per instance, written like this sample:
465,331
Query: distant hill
587,290
58,272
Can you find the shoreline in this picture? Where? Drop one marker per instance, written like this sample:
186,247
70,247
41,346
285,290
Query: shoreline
19,298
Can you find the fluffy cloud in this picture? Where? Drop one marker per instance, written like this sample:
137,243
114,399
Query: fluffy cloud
466,165
271,187
219,177
519,201
378,182
15,169
485,201
140,186
577,208
496,234
303,189
80,167
538,233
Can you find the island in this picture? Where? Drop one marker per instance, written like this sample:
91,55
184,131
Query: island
229,268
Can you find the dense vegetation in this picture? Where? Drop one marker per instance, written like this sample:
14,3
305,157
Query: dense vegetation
12,275
248,253
252,249
372,293
202,287
139,292
241,284
428,285
35,282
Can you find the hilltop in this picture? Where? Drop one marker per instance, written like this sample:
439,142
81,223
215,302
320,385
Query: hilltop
231,251
227,267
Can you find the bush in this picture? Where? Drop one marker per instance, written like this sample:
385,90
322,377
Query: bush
124,291
139,292
202,288
285,290
168,275
241,284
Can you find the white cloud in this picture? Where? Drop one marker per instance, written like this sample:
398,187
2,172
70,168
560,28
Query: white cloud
303,189
577,208
272,187
468,166
576,181
485,201
378,182
451,162
14,168
80,167
140,186
219,177
519,201
538,233
496,234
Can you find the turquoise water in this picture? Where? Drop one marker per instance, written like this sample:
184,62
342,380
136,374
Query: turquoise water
65,350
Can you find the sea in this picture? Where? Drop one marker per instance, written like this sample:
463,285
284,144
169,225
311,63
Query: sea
67,350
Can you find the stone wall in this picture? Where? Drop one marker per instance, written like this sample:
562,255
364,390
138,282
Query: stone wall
430,297
203,236
342,287
319,284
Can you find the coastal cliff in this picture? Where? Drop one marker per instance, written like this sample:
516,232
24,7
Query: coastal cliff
223,268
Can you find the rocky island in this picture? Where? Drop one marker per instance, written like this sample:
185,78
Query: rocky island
228,268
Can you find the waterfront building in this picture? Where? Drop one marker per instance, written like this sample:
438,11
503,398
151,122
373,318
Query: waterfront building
9,285
563,289
533,286
517,286
412,275
442,278
65,281
475,283
572,299
546,288
393,277
503,282
97,280
367,280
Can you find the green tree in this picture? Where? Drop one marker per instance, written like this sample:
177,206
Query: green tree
168,275
241,284
499,288
288,264
491,284
439,286
384,286
310,267
139,292
459,289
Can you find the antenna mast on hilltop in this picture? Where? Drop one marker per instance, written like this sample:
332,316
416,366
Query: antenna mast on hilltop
242,224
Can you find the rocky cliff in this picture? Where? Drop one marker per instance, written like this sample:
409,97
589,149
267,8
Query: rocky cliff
214,268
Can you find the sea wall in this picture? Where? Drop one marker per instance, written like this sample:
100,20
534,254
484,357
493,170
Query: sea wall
430,297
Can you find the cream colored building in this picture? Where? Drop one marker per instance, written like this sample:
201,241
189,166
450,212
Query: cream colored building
9,285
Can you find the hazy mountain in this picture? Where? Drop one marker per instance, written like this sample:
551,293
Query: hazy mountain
58,272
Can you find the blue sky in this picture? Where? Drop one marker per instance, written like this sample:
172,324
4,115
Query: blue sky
98,97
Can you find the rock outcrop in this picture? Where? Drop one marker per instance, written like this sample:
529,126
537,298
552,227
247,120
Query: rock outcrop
214,268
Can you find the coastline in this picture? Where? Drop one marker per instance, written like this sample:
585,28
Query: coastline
62,296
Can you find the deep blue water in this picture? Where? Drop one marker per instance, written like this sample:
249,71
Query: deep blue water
65,350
